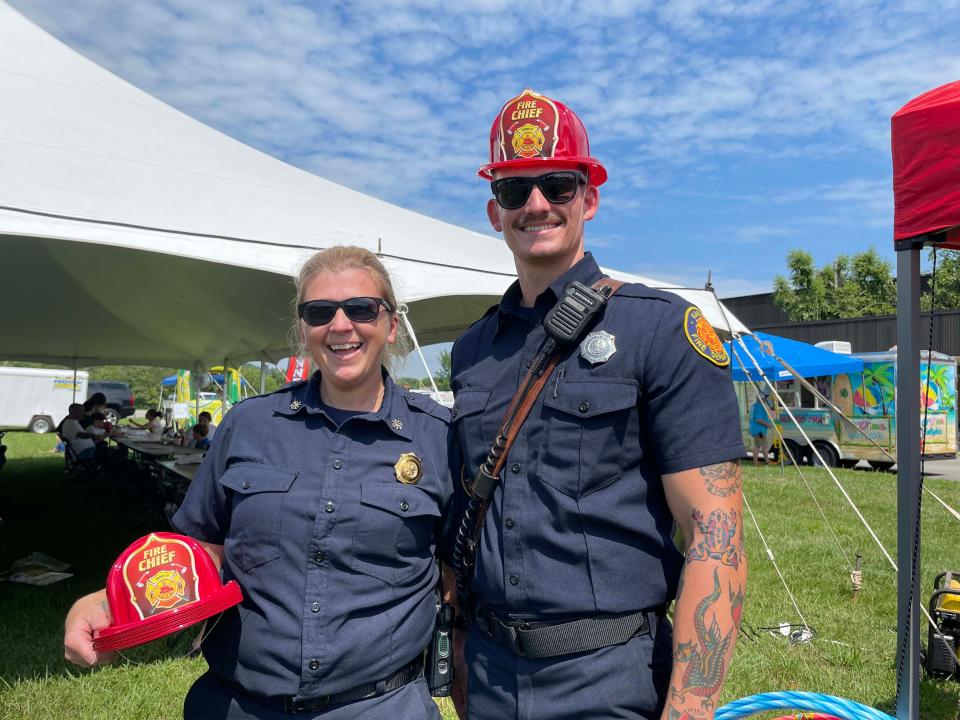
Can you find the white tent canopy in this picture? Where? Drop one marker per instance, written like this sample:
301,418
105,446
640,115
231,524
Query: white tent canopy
131,233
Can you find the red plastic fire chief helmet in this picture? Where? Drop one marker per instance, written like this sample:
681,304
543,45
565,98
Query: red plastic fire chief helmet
533,129
160,584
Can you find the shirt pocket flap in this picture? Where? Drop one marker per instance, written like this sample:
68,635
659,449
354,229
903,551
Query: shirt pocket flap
469,401
248,478
588,398
400,500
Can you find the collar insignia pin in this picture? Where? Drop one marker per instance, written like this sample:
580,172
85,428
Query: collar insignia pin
296,405
408,469
396,424
598,347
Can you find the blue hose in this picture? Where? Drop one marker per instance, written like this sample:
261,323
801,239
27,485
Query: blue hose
809,701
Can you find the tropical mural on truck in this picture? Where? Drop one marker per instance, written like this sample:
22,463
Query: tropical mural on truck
873,394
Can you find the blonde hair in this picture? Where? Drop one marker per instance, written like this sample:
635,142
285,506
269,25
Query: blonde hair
349,257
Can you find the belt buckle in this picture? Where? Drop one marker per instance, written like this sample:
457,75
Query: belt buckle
294,706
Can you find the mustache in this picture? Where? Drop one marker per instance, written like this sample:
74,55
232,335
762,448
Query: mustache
537,219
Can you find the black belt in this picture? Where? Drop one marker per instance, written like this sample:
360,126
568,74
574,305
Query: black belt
540,640
401,677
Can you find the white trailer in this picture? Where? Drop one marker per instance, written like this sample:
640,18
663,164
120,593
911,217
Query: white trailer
36,399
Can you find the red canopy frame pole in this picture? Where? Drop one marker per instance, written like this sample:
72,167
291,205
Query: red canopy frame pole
908,476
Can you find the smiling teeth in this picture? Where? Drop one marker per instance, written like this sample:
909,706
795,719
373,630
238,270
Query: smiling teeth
538,228
345,346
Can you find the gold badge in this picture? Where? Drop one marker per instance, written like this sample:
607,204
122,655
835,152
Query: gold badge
408,469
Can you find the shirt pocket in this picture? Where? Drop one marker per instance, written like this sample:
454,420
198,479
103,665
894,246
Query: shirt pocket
258,493
394,539
467,418
591,436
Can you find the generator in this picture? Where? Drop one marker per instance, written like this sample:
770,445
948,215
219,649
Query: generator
944,639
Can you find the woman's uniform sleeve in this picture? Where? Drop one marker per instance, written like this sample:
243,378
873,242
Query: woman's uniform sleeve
204,514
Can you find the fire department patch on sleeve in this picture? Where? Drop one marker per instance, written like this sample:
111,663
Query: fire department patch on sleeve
703,338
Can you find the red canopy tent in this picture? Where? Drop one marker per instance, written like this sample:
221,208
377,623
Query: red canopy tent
925,138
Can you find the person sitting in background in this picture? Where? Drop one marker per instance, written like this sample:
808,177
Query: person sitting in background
154,423
200,439
96,403
205,418
81,442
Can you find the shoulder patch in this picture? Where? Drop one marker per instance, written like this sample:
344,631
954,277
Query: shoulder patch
703,337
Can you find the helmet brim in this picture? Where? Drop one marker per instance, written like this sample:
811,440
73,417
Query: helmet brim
597,173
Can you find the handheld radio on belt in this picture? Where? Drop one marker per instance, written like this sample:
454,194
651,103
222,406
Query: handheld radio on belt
566,324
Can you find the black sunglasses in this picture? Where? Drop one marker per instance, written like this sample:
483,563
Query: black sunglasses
557,187
357,309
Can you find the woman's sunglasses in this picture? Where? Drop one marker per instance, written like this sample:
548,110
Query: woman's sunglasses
357,309
557,187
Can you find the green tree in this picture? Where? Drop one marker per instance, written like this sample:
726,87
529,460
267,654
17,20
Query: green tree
876,289
442,376
846,287
803,295
947,281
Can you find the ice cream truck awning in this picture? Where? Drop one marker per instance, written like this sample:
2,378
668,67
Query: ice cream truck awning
807,360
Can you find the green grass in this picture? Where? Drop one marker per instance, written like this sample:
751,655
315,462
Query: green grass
852,655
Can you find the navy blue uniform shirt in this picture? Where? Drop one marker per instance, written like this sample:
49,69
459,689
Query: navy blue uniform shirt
580,525
335,556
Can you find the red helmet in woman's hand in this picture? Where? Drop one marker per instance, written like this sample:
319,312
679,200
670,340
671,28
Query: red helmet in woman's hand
160,584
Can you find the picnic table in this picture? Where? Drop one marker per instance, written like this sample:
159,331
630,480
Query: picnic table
154,449
178,472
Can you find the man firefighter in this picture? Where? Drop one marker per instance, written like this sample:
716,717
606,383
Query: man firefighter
566,587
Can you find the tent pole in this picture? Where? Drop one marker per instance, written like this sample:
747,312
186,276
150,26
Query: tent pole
908,477
263,373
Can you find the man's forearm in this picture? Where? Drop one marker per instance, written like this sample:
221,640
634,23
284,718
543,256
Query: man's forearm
706,621
709,600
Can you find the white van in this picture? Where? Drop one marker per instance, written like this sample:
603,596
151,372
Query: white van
36,399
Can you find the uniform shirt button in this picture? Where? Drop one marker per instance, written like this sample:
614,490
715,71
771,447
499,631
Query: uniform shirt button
509,523
404,505
337,464
245,484
328,507
515,468
529,364
314,664
454,412
315,607
319,557
514,580
584,406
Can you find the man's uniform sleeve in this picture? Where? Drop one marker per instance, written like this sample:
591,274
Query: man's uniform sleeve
690,405
204,514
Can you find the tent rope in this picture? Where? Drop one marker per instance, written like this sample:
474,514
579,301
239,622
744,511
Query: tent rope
402,311
773,561
793,459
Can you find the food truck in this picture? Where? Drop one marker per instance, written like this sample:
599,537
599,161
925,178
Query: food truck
867,400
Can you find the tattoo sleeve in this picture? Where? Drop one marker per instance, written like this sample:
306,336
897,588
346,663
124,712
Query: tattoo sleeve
711,598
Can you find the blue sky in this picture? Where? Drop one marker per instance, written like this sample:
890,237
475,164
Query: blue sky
732,131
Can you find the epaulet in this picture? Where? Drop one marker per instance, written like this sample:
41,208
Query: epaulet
425,403
645,292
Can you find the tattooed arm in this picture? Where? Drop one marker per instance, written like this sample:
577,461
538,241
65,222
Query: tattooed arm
707,505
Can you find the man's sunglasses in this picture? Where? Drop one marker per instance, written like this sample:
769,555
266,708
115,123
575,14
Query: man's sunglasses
557,187
357,309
